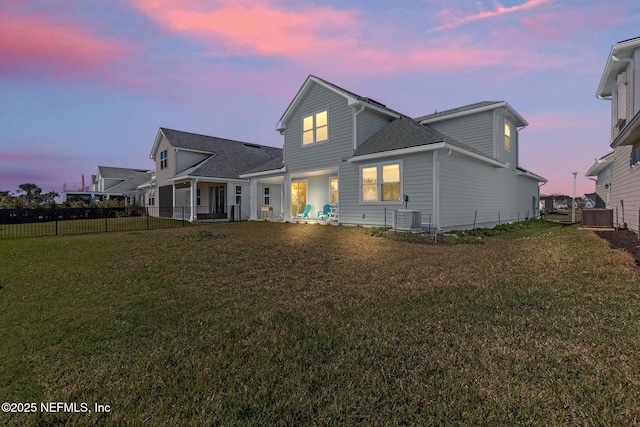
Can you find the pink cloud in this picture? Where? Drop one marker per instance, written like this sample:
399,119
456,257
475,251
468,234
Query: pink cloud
452,21
38,46
246,28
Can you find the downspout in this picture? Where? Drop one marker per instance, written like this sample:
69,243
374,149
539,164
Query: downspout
436,187
355,126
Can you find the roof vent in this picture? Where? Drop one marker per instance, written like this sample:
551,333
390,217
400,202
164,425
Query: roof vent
246,144
373,101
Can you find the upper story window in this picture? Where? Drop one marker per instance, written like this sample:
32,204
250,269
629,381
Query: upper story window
315,128
163,159
381,183
507,136
634,157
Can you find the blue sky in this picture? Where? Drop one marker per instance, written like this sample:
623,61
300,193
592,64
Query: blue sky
86,83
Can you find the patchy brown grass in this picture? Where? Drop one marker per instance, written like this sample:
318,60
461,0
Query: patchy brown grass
266,323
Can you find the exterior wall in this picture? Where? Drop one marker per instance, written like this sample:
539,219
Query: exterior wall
603,181
625,188
275,191
162,175
186,159
324,154
475,130
467,187
417,183
368,124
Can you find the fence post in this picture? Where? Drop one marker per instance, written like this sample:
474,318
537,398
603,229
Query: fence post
105,220
498,218
147,212
55,212
475,215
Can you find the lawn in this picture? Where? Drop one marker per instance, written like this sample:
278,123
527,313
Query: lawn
291,324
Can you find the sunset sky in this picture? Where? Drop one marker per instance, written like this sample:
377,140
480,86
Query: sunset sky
86,83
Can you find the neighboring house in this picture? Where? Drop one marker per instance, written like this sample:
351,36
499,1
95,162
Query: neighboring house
602,170
120,183
458,167
110,183
546,205
620,84
197,176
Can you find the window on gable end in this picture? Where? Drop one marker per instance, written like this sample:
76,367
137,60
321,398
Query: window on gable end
163,159
507,136
315,128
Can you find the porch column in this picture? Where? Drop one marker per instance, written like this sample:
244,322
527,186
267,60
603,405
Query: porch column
253,199
173,187
194,196
286,197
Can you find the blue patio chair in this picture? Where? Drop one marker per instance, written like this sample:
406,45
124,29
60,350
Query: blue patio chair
325,212
304,214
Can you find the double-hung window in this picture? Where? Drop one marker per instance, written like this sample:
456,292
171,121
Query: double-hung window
163,159
381,183
315,128
267,196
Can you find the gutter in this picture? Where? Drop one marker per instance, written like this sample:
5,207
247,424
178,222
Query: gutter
427,148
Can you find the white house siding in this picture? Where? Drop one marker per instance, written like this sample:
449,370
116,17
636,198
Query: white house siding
163,175
187,159
275,191
473,130
470,189
417,183
625,187
324,154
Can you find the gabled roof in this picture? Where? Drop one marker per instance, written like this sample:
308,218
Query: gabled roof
129,179
352,99
600,165
405,135
475,108
616,64
227,158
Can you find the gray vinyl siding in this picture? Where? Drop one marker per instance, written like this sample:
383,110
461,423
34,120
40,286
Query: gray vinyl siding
473,130
625,186
467,187
324,154
417,183
368,124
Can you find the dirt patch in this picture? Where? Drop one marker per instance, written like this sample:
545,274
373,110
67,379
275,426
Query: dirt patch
625,240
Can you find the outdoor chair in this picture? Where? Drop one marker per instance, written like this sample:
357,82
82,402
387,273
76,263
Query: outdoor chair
324,214
304,214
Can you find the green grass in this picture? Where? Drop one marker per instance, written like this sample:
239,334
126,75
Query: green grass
288,324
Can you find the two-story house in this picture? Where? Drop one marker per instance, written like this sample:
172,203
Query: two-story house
619,172
459,168
197,176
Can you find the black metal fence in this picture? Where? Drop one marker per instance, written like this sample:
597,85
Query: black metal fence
65,221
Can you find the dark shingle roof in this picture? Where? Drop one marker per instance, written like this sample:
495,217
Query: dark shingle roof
271,165
130,178
228,158
406,133
457,110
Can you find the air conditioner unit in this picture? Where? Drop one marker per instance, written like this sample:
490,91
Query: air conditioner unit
407,220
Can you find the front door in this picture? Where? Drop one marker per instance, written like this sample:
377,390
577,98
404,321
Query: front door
298,197
218,199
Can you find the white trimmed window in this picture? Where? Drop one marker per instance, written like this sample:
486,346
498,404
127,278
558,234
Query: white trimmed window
163,159
315,128
238,194
267,196
381,183
333,190
507,136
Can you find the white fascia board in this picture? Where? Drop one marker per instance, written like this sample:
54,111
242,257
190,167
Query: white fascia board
531,175
203,179
477,110
613,68
301,94
156,144
354,102
600,165
427,148
263,173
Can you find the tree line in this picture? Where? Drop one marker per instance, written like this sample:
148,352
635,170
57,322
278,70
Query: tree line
28,196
